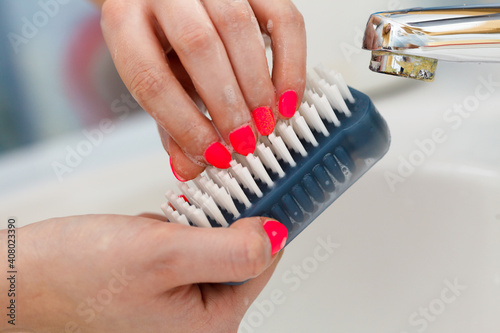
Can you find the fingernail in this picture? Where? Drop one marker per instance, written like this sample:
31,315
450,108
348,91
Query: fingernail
288,103
277,234
217,155
264,120
179,178
243,140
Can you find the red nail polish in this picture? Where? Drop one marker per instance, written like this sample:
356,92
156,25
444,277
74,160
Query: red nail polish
179,178
277,234
217,155
183,197
288,103
264,120
243,140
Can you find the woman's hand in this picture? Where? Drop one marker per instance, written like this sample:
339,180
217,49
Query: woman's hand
111,273
173,53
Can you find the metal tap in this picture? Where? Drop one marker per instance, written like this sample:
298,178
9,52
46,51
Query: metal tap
409,43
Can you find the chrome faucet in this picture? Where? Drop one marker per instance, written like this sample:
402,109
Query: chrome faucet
409,43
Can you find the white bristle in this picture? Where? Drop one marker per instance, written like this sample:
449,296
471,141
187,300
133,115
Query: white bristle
224,198
344,89
186,209
280,149
267,157
313,119
335,78
189,193
241,160
211,209
173,216
323,107
199,184
312,84
199,218
244,177
196,216
172,198
235,189
302,129
213,174
199,198
220,195
335,98
258,169
291,139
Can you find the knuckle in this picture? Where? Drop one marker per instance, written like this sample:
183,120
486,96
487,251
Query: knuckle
252,256
113,13
291,16
194,39
148,82
235,15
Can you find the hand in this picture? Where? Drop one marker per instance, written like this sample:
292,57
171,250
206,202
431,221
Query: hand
111,273
171,53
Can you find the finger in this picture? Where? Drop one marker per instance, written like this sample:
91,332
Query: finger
284,23
237,253
186,82
182,167
230,303
201,51
242,38
146,74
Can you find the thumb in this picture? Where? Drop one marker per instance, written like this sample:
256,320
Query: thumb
238,253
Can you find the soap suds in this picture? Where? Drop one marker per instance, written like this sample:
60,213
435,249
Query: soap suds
270,27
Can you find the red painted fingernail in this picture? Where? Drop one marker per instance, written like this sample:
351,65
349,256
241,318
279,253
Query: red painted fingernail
288,103
179,178
217,155
277,234
264,120
243,140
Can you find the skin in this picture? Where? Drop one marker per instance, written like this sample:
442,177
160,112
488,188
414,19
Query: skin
171,52
71,263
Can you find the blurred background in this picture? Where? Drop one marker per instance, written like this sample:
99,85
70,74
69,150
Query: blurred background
56,74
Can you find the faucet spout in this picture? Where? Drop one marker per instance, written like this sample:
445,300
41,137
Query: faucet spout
409,43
